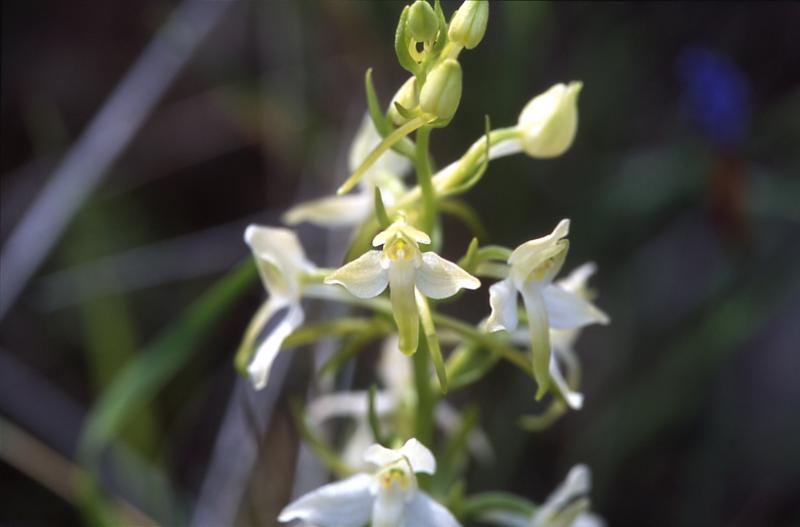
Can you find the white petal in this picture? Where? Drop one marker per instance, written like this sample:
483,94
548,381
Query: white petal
267,351
503,301
440,278
575,485
280,258
539,330
574,399
424,511
568,310
400,227
418,455
332,211
348,404
346,503
587,519
363,277
380,456
577,279
542,258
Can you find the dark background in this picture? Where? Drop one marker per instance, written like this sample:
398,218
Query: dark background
682,185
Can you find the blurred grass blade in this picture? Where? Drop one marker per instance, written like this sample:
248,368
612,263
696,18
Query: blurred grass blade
144,376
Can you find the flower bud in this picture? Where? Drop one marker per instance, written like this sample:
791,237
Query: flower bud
549,121
441,92
468,24
422,22
406,96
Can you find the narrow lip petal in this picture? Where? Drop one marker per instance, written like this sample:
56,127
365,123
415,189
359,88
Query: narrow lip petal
346,502
439,278
573,398
503,302
364,277
267,351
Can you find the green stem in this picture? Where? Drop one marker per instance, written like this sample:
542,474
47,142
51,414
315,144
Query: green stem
425,178
425,396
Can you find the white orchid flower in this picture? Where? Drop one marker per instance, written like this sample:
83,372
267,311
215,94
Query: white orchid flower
403,267
282,265
562,341
396,375
532,267
567,506
387,497
351,209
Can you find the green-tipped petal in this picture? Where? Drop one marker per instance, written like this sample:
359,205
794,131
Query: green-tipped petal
538,325
404,304
440,278
363,277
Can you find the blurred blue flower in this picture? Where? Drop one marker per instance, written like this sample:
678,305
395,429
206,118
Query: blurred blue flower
716,95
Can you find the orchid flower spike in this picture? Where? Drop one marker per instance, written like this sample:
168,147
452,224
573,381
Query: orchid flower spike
386,174
532,267
282,265
387,497
405,269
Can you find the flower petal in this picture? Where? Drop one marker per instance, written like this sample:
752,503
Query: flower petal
380,456
574,399
424,511
567,310
348,404
345,503
404,304
332,211
363,277
503,301
538,326
280,259
267,351
418,455
576,280
542,258
440,278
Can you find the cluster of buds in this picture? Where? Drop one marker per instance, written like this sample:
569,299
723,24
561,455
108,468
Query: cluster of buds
395,246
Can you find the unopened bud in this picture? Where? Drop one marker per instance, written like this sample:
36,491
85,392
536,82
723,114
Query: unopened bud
422,22
406,96
468,24
549,121
441,92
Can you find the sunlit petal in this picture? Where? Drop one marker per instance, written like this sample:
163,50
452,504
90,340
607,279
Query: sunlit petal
345,503
420,458
267,351
363,277
503,301
423,511
332,211
440,278
568,310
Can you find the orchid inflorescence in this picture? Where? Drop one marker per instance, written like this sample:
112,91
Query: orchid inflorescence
393,271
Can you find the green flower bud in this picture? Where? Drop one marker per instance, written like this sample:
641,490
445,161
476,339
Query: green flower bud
441,92
422,23
406,96
468,24
549,121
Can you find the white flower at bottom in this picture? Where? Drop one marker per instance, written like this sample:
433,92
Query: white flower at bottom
282,265
567,506
532,267
389,497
